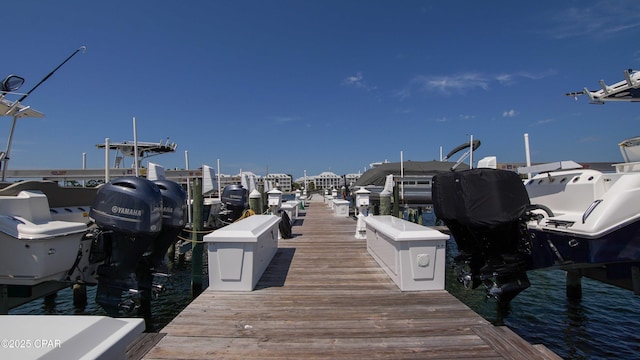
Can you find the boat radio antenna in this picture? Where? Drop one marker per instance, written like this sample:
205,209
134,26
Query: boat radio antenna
81,48
4,158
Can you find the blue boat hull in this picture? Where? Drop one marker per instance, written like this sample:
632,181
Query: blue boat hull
555,249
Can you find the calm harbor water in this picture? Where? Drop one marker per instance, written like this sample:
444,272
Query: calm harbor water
603,325
163,309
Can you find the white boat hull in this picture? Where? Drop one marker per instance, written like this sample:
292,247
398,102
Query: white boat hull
30,262
596,218
34,247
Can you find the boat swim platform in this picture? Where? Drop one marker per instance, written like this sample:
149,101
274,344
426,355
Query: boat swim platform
324,297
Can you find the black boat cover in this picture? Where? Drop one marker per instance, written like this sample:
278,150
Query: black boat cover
479,197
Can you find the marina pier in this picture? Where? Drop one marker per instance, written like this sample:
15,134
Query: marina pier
324,296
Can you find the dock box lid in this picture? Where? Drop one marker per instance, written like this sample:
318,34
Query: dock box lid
402,230
245,230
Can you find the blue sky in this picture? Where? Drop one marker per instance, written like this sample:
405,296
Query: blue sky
319,85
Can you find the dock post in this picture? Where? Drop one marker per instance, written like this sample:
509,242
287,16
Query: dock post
197,227
79,296
396,202
263,197
50,299
385,203
255,198
4,299
574,285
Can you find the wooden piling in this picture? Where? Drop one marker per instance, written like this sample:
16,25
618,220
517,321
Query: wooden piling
574,285
196,237
79,296
396,201
254,202
385,204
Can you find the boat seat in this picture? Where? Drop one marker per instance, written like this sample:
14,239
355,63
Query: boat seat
30,205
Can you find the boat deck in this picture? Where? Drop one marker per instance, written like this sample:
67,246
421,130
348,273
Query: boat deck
324,297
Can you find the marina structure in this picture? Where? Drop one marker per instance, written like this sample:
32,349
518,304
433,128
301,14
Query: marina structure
324,296
284,182
326,180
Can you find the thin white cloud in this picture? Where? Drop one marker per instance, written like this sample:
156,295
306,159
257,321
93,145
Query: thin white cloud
542,122
509,113
448,84
402,94
466,117
464,82
602,20
284,119
358,82
507,79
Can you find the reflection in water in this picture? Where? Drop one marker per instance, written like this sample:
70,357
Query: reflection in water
163,309
602,325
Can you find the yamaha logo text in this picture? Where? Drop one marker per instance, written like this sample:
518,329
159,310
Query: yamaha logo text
126,211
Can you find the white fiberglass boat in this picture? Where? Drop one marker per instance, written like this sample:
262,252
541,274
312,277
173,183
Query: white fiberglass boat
594,218
565,217
115,236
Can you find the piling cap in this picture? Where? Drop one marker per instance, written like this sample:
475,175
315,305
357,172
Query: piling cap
255,194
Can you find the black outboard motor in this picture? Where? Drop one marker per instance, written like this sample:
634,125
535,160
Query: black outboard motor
128,213
235,201
486,210
174,218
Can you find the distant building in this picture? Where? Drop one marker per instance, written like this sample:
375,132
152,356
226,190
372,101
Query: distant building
352,178
327,180
284,182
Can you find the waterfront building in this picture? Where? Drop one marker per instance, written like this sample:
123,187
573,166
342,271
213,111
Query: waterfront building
352,178
327,180
284,182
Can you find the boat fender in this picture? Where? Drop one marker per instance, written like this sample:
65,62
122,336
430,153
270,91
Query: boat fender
285,225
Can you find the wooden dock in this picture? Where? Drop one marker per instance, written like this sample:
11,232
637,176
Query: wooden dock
324,297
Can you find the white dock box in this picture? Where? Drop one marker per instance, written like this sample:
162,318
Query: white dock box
341,208
414,256
240,253
296,206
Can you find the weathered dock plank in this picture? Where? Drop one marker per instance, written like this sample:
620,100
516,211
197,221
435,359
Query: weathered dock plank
324,297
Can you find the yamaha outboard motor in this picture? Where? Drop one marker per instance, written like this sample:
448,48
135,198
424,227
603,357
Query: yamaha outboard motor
174,218
128,213
485,210
235,201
